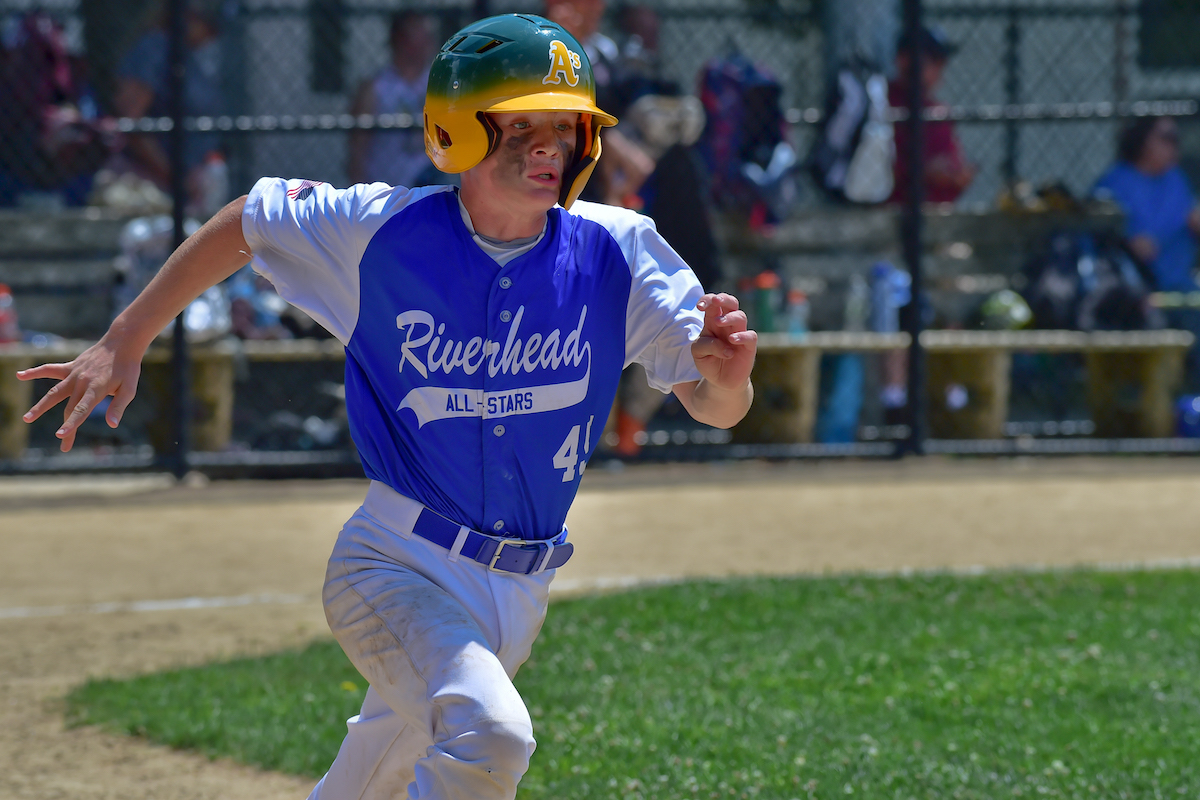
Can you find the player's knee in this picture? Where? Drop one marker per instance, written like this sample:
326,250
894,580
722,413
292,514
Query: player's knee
486,761
509,745
498,752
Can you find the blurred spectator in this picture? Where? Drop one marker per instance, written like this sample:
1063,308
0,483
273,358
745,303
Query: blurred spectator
648,165
947,173
142,83
51,139
582,20
1162,218
625,166
397,157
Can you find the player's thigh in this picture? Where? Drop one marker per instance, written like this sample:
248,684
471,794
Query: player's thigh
398,628
417,645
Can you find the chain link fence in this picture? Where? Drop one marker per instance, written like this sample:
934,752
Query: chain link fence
1032,97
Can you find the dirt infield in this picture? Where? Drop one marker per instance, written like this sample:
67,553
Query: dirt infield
119,576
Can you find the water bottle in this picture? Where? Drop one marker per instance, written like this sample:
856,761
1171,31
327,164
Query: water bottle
858,305
797,313
10,331
890,289
766,300
214,179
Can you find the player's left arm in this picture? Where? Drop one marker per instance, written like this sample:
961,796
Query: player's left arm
724,355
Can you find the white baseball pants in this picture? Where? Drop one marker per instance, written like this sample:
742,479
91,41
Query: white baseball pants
439,641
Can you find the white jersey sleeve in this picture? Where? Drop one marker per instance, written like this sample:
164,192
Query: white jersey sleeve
308,239
661,320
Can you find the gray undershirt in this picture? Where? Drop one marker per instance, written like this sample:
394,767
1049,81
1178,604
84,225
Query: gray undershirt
502,252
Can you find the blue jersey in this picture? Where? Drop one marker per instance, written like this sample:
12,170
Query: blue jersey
475,387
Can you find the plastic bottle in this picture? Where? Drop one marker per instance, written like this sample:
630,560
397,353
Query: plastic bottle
10,331
766,300
884,318
214,192
858,304
890,289
797,313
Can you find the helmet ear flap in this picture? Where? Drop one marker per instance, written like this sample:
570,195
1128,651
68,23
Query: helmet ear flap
492,130
587,151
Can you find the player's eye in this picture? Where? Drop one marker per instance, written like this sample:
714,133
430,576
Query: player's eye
565,126
521,125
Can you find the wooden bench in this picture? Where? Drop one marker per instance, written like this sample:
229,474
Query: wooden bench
968,254
787,381
1131,379
213,369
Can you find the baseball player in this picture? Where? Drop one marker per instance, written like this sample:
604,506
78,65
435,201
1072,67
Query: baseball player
485,330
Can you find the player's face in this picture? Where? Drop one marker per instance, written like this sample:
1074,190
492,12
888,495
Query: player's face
535,149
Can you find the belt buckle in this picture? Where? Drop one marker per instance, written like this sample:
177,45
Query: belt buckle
500,549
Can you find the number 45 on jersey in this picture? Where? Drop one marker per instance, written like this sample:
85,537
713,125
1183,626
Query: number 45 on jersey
568,454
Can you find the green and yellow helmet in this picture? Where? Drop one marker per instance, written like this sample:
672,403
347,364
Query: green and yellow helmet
506,64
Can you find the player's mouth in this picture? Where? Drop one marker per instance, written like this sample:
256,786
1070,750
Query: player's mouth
546,177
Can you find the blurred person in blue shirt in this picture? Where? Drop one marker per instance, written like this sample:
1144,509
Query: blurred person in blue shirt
1162,218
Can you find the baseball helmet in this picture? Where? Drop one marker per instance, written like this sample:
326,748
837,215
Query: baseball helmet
505,64
1005,310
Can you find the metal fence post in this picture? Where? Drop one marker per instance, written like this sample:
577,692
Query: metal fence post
181,416
911,231
1012,91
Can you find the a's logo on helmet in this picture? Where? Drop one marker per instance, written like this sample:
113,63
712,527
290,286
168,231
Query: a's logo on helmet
563,63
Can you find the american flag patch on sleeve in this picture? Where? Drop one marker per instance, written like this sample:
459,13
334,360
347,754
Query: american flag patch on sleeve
303,191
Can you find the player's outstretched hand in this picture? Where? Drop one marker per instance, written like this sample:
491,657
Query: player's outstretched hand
725,351
98,372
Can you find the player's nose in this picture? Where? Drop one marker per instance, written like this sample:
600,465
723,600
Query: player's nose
544,142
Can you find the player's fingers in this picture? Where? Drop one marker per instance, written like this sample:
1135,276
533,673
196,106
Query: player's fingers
120,401
711,346
745,338
67,441
716,308
718,303
77,410
56,371
56,395
730,322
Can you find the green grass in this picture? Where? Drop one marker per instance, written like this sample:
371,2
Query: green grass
1068,684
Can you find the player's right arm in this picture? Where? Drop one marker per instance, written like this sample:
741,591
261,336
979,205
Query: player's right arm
112,365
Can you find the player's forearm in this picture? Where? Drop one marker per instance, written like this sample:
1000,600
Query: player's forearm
205,258
721,408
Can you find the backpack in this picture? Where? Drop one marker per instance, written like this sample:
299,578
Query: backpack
852,157
1085,281
743,143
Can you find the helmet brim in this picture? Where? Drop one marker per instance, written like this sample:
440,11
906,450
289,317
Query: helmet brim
552,101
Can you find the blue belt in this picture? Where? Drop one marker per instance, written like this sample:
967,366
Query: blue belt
494,552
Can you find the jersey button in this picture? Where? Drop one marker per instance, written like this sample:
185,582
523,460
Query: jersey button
505,283
505,316
498,525
498,430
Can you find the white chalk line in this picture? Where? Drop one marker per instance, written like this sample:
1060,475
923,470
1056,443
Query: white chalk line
599,584
141,606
